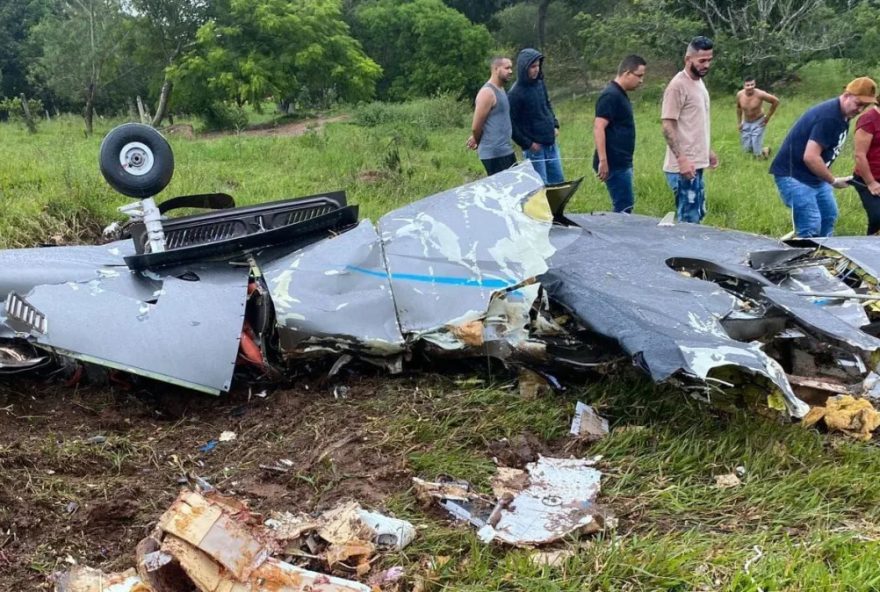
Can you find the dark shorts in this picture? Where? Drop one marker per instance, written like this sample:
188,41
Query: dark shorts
496,165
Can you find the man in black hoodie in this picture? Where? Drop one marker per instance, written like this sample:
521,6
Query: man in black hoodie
534,124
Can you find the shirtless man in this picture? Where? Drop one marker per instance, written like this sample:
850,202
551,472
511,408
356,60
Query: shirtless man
750,119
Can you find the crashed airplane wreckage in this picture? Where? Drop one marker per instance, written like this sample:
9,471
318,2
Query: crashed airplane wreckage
494,267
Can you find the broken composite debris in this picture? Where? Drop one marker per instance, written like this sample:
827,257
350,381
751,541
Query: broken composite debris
213,543
552,498
492,268
587,424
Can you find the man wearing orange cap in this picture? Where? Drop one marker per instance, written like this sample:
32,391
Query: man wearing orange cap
801,167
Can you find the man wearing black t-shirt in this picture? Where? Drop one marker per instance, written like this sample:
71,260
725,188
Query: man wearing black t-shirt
801,168
614,131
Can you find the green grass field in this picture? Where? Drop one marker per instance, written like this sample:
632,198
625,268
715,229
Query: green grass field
50,184
807,516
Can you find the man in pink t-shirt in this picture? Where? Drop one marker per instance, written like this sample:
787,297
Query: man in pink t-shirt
685,117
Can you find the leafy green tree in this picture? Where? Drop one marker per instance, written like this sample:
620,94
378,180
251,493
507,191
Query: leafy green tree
84,51
478,11
768,39
423,46
287,49
17,17
864,34
167,28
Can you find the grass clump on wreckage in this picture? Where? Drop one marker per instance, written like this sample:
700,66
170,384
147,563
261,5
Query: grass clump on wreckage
493,268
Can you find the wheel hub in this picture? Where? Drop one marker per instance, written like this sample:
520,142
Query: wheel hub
136,158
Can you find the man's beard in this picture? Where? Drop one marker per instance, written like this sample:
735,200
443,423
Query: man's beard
696,72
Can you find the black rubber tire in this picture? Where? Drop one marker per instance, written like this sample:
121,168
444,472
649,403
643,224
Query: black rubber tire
142,141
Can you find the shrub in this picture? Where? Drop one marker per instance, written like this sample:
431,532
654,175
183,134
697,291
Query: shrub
433,113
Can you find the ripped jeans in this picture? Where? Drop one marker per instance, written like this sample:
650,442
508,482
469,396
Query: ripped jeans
690,197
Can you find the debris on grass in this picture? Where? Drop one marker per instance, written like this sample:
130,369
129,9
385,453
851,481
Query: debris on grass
532,385
588,425
227,436
844,413
392,575
212,542
552,498
551,557
727,481
208,446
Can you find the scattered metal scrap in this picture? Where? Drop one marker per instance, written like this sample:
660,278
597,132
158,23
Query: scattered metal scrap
552,498
212,543
492,268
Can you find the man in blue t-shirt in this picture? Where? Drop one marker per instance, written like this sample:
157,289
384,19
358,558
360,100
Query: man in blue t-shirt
614,131
801,168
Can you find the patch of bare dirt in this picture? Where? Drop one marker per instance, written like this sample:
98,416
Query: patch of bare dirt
85,473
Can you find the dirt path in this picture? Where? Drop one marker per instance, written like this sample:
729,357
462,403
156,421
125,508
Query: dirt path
296,128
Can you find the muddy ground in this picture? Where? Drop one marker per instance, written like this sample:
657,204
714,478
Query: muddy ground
85,471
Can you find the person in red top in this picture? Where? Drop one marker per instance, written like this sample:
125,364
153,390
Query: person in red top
867,174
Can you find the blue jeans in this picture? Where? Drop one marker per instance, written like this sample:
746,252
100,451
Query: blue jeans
620,187
546,162
752,136
813,209
690,196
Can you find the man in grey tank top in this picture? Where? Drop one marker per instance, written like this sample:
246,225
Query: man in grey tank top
491,129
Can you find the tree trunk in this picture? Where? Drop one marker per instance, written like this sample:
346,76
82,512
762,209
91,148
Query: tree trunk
89,110
543,5
141,109
28,120
164,97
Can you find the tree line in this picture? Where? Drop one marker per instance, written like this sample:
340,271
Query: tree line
212,57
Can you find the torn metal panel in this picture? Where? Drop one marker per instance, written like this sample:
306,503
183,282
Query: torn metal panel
335,293
861,250
22,269
188,335
813,317
559,499
818,280
449,254
615,277
18,356
552,498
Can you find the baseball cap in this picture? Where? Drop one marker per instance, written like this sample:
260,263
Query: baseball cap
864,89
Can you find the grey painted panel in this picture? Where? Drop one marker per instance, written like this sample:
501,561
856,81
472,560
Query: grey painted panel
449,253
189,336
335,291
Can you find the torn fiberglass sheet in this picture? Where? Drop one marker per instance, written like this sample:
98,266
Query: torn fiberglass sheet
448,254
322,299
616,279
187,334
